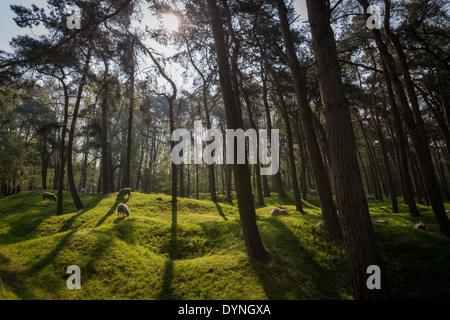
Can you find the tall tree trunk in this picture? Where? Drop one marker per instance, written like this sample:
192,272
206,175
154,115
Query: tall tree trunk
413,120
384,155
370,157
104,131
253,125
84,168
172,145
62,151
141,159
205,85
359,238
400,138
303,164
70,176
181,166
127,178
45,161
252,239
290,144
330,217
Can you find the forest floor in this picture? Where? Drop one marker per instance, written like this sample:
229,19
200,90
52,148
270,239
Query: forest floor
195,250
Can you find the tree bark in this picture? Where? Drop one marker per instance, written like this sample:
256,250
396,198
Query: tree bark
400,138
70,176
414,122
104,131
330,217
127,179
62,151
252,239
359,238
290,144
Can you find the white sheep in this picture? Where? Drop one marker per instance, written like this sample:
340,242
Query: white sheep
279,212
122,210
420,226
48,195
124,192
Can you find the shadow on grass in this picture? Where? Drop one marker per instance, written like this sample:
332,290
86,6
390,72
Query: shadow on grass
23,283
111,211
219,208
167,291
21,280
88,205
294,272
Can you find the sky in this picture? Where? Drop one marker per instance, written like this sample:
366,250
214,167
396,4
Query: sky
9,29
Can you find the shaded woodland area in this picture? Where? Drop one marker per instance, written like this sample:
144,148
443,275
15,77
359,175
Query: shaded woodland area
362,113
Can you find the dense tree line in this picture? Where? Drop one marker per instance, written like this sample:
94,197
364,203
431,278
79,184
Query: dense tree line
361,111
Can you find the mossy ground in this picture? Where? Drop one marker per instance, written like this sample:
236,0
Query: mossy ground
195,250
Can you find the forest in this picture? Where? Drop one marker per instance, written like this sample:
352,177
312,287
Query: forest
358,91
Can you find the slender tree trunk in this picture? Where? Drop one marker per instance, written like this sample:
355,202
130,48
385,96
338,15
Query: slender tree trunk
257,175
359,238
84,169
370,157
400,138
414,122
127,179
141,159
70,176
369,188
45,161
104,131
330,217
172,145
290,144
62,151
384,155
303,164
181,169
252,240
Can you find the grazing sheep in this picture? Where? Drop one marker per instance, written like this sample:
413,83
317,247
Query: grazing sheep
159,198
370,198
279,212
447,212
39,187
312,191
225,198
48,195
83,191
420,226
122,210
124,192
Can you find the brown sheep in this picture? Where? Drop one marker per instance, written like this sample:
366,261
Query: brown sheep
280,212
124,192
420,226
39,188
122,210
83,191
48,195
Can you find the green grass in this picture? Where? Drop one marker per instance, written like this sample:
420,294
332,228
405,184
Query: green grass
195,250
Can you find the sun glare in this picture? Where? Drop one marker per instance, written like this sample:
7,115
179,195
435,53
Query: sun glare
170,22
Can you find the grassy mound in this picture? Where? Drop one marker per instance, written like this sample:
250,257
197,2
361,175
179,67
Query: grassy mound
195,250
